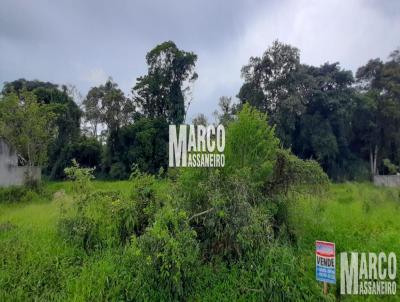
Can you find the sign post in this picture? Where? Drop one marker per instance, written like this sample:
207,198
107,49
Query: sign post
325,269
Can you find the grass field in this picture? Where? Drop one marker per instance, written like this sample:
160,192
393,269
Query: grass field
36,264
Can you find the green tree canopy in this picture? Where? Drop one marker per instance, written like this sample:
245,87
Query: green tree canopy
107,104
67,117
165,90
377,121
310,106
27,125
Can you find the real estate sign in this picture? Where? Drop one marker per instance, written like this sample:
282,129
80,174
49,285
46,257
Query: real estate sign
325,261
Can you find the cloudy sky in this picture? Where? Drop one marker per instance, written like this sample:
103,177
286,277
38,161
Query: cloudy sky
83,42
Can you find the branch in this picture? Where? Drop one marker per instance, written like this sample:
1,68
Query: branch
201,213
257,290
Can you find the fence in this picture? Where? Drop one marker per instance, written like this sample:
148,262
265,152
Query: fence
387,180
16,175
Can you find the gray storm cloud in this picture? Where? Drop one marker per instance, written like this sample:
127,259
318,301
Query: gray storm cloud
84,42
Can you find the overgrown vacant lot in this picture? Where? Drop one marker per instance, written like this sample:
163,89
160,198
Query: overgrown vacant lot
38,264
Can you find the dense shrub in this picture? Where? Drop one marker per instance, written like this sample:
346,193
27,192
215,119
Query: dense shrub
294,174
143,143
230,224
23,194
229,209
118,171
106,218
276,274
171,235
87,151
251,145
12,194
164,260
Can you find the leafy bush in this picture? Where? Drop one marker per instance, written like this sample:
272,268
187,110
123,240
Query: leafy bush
87,151
390,167
80,230
164,259
251,145
118,171
12,194
293,174
106,218
143,143
80,176
230,224
22,194
276,274
243,206
88,223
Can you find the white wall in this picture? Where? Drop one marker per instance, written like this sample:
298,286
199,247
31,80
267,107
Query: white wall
10,173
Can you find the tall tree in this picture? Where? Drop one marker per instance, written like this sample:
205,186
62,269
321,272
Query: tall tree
67,117
107,104
323,131
271,84
165,90
378,110
309,106
200,119
27,125
226,111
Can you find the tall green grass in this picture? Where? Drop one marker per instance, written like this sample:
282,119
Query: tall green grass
358,217
36,264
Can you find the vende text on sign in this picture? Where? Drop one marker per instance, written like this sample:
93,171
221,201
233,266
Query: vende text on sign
325,261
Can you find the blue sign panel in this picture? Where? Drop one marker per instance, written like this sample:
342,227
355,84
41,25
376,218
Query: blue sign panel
325,261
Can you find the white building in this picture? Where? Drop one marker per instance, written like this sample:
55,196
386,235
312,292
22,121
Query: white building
10,173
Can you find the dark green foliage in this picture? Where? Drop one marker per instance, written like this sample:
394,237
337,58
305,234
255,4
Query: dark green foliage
250,146
164,259
67,119
99,219
319,114
161,93
86,151
67,122
118,171
229,211
225,218
107,104
143,143
80,231
16,194
12,194
293,174
377,117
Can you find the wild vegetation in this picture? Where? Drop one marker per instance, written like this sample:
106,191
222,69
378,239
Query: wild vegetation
170,258
242,232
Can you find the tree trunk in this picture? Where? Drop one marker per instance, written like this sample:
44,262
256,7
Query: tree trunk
95,130
29,171
371,161
373,158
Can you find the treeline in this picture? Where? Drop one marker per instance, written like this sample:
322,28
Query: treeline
348,124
